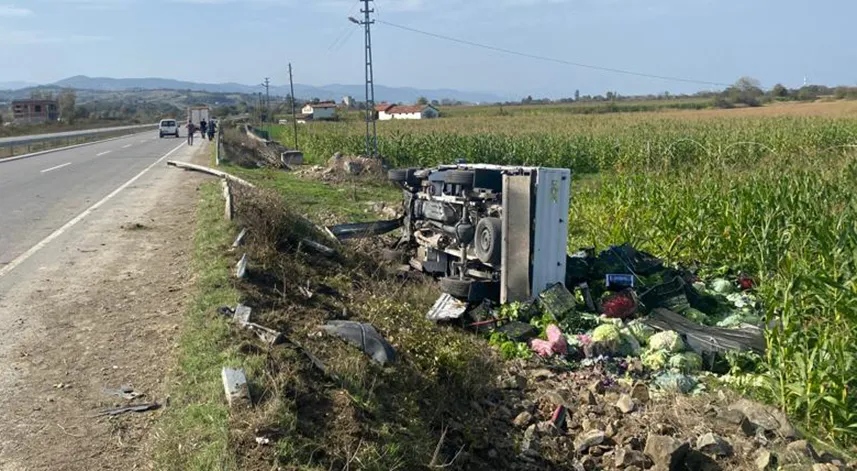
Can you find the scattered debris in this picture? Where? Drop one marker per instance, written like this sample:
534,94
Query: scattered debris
365,337
666,452
241,267
364,229
712,444
235,385
322,249
211,171
625,404
125,392
263,440
555,343
62,386
240,239
268,335
445,308
133,408
588,439
765,418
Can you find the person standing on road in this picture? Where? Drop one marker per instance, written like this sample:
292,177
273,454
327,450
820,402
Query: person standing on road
190,131
202,126
211,129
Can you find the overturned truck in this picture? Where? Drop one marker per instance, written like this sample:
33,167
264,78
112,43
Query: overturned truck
487,231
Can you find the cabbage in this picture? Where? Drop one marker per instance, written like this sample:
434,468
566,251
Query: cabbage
722,286
654,359
687,362
695,315
606,333
640,331
667,340
629,346
675,382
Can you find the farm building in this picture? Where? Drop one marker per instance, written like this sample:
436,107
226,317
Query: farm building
35,111
388,112
320,111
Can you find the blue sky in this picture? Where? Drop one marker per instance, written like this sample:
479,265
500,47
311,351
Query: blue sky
246,40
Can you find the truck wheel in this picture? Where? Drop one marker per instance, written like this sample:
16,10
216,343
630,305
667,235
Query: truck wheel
456,287
487,240
458,177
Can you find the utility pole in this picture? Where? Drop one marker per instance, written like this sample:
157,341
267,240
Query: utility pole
267,85
371,139
294,115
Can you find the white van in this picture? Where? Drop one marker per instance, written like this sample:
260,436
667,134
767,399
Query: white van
168,127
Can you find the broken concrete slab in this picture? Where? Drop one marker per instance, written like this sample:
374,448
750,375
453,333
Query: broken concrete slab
364,337
235,386
239,240
242,313
446,308
241,267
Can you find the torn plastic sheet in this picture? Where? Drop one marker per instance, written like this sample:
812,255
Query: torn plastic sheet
445,308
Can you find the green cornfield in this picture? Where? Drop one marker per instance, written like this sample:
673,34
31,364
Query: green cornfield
772,195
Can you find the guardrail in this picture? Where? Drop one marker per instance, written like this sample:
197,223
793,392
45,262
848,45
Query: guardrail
40,142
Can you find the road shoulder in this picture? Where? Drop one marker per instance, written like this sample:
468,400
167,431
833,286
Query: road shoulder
98,308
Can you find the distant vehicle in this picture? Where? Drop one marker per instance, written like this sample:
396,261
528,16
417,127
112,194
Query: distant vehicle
168,127
197,114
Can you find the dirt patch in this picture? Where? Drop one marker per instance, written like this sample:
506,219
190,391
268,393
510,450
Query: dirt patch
102,311
345,168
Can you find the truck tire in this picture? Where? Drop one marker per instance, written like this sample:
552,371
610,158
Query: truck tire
488,240
456,287
459,177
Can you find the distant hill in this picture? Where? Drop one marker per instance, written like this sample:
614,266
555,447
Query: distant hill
15,85
334,91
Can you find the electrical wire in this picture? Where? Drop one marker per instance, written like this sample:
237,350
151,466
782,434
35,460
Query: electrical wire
552,59
346,31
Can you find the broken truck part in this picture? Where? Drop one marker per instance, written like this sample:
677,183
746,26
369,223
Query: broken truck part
487,231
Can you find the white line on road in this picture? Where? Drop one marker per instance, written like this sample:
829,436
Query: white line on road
54,168
29,253
103,153
126,146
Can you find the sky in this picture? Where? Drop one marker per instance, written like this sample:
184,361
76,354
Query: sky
243,41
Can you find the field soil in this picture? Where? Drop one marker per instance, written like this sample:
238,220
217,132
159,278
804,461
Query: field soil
98,308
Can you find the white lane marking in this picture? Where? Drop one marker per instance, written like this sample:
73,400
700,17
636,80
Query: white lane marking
54,168
29,253
103,153
126,146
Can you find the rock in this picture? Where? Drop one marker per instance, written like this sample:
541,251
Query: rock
588,398
587,463
514,382
523,419
530,444
612,429
765,417
546,428
554,398
625,404
749,428
588,439
765,460
731,416
599,450
801,449
713,445
825,467
591,424
666,452
542,374
626,456
492,454
640,393
596,387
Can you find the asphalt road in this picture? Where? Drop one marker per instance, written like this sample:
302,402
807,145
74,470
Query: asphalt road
40,194
59,135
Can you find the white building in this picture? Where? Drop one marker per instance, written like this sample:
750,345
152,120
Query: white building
320,111
348,101
387,112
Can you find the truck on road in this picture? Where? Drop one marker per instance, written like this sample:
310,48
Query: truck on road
196,114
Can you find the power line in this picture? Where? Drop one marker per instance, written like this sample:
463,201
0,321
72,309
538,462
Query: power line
552,59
